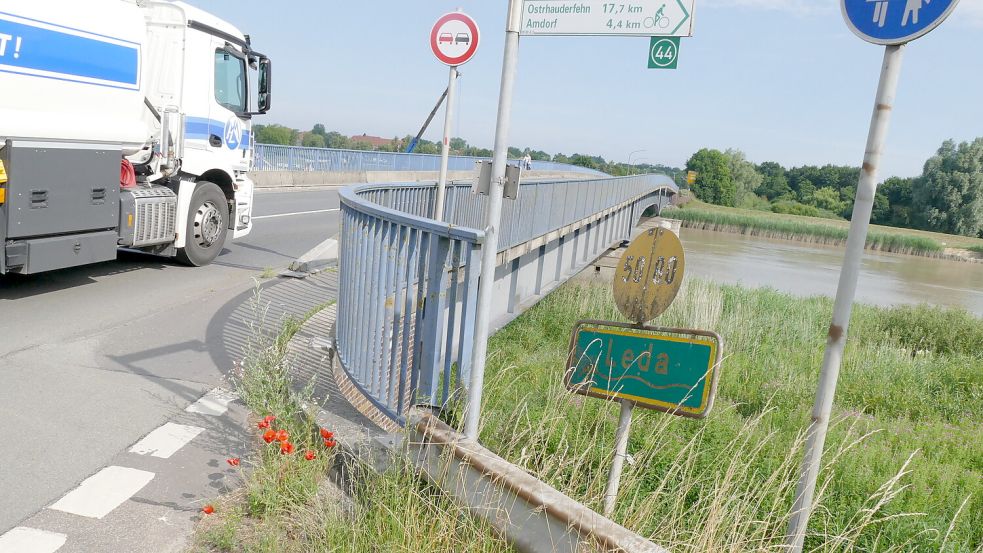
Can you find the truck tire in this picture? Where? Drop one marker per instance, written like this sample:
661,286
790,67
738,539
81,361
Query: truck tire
208,223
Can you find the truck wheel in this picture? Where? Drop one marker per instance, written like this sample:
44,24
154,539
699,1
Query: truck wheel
208,223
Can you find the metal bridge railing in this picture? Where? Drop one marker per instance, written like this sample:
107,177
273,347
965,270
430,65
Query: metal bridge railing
270,157
408,284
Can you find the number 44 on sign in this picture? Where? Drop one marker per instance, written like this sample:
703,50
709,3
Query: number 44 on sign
663,52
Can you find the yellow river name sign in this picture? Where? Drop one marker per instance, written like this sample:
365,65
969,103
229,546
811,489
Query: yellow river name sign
649,275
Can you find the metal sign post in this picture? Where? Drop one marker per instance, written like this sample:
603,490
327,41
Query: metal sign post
892,24
445,148
548,17
493,219
454,41
620,452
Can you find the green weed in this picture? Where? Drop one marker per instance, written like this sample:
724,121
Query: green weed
904,460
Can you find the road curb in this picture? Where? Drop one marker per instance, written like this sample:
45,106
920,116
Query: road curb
315,259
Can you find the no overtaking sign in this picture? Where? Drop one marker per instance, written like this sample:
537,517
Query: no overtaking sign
454,39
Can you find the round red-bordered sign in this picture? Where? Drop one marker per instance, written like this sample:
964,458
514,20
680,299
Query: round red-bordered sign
454,38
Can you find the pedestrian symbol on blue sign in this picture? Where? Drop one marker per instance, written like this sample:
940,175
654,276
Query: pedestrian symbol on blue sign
895,21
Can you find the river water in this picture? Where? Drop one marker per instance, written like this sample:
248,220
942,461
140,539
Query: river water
808,270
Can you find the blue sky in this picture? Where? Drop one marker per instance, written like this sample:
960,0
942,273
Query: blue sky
783,80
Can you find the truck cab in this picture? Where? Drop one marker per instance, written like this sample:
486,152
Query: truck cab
123,123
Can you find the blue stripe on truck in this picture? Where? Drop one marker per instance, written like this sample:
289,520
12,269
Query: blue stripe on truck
37,48
199,128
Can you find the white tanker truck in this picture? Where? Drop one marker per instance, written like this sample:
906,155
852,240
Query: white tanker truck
123,124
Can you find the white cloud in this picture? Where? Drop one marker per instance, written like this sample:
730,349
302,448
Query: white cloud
797,7
969,12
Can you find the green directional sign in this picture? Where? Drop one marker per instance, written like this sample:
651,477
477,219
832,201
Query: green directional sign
672,370
663,52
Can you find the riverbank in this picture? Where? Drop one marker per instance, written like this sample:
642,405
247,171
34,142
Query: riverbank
903,457
699,215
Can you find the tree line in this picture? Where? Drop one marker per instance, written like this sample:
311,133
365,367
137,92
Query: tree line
947,197
319,137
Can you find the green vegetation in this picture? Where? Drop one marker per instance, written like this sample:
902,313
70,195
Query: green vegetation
696,215
947,197
286,503
903,469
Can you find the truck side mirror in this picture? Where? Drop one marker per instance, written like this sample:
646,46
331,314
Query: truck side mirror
265,88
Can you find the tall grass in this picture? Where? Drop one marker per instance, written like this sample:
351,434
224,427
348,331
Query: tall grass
903,469
287,504
770,226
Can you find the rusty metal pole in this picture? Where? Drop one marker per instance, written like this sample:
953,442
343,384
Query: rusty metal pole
845,293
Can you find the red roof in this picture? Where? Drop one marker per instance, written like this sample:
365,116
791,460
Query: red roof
373,140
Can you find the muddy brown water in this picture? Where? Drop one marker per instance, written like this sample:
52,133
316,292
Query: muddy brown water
806,269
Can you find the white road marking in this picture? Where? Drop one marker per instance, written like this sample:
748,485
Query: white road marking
215,402
30,540
102,492
166,440
295,213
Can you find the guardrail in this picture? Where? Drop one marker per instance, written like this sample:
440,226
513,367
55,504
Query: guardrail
271,157
408,284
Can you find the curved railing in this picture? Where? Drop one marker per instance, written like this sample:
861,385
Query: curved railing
408,284
272,157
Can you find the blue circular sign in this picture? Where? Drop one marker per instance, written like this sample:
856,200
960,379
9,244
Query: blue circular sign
895,21
233,133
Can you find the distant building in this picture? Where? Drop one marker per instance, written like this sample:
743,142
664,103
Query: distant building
375,141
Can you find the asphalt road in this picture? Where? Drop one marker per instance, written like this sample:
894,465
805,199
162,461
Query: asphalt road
94,358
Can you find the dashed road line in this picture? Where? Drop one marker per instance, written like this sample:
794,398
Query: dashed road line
102,492
31,540
215,402
166,440
295,213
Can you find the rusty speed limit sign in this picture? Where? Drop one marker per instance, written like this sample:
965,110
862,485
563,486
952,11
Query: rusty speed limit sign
649,275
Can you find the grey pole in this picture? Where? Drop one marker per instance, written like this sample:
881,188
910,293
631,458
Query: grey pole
438,210
845,292
493,217
620,452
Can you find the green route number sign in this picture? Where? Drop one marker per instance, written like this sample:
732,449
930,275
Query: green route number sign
671,370
663,52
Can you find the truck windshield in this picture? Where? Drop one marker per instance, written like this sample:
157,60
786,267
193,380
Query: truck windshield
230,81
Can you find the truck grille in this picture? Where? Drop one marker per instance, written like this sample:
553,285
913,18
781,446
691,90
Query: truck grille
155,216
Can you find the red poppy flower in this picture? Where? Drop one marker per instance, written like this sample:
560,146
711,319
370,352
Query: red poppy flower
326,434
268,419
330,443
310,455
269,436
208,509
262,424
286,448
233,461
282,436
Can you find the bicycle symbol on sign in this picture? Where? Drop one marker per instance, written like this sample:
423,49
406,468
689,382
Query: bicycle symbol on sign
660,20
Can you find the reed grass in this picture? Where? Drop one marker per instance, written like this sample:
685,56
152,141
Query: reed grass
903,468
806,230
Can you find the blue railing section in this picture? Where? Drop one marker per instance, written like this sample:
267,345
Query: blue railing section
270,157
408,284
